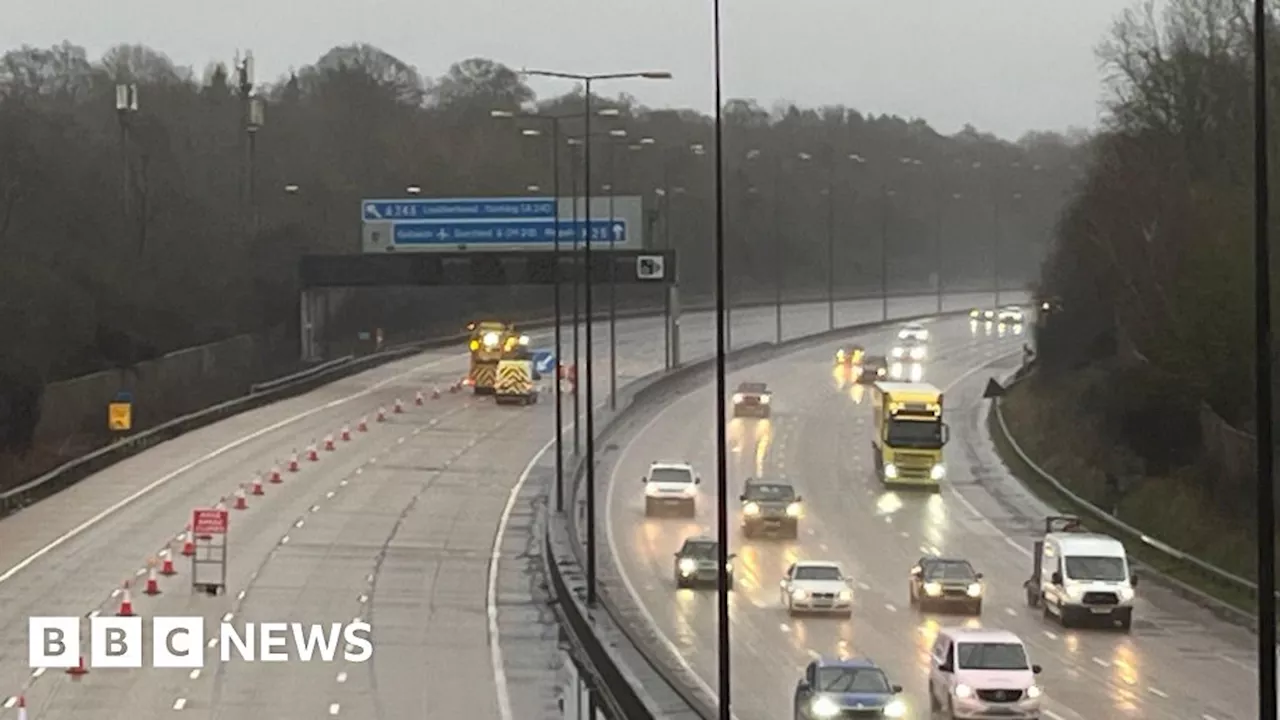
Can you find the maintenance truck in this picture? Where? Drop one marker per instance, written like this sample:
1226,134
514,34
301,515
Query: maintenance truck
516,383
909,434
489,340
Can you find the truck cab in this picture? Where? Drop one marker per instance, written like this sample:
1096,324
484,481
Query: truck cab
489,339
1081,577
909,434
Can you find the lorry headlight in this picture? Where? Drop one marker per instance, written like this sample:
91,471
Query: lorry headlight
937,472
751,509
890,470
1034,692
688,565
737,398
963,691
793,510
897,352
524,339
823,707
895,709
932,589
975,590
490,339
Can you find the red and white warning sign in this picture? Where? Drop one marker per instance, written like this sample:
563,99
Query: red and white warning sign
209,521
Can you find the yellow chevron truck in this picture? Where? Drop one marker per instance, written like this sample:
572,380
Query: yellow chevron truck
909,435
489,340
517,378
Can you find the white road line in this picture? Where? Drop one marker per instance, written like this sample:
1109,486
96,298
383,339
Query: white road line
284,540
227,618
96,613
168,477
1051,714
194,674
1010,611
329,494
38,672
1100,662
240,595
342,677
315,508
179,703
1157,692
212,643
10,702
333,709
364,599
300,523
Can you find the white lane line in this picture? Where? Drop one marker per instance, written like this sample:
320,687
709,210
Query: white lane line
890,607
343,483
1157,692
227,618
342,677
1010,611
333,709
1208,717
179,703
1050,635
315,508
1100,662
1051,714
212,643
38,672
96,613
240,595
194,674
284,540
300,523
329,494
364,599
10,702
168,477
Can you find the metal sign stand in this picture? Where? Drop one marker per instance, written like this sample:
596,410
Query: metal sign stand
209,563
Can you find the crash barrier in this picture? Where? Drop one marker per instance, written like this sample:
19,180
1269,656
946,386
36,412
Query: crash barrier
600,658
72,471
1108,521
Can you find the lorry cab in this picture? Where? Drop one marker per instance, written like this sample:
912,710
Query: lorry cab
489,340
1081,577
909,434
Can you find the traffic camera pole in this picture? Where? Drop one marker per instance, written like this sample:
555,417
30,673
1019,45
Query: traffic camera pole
590,430
555,252
722,436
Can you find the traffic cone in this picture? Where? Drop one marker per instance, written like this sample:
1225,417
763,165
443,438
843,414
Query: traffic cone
153,583
399,407
364,424
382,414
312,455
328,443
257,487
22,708
346,434
221,505
188,543
435,393
242,502
166,563
275,477
417,398
126,602
79,669
293,462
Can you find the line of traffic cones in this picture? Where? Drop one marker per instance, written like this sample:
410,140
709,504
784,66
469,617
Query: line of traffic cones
346,434
312,454
78,670
398,408
166,562
364,425
382,414
275,478
153,582
126,602
293,462
188,543
242,501
435,392
328,443
257,486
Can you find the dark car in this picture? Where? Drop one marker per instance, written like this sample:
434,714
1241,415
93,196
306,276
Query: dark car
696,563
753,399
846,688
770,507
874,369
946,583
850,356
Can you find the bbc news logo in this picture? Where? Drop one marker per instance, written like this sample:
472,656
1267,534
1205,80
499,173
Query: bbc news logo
179,642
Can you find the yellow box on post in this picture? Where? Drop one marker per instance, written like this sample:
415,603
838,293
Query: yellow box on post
120,413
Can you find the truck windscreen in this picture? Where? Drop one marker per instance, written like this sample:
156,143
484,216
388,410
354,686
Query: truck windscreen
914,433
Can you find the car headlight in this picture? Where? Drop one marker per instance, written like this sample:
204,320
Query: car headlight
897,352
524,339
690,490
650,489
823,707
896,370
764,399
1034,692
751,508
917,353
974,313
737,398
799,594
963,691
846,594
793,510
975,590
890,470
932,589
937,472
1126,594
688,565
895,709
490,339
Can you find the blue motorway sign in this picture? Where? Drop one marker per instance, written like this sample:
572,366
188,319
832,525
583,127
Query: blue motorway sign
446,209
544,361
531,231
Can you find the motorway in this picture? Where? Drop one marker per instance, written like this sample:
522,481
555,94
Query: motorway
396,527
1179,662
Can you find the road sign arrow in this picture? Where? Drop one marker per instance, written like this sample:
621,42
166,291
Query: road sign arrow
371,209
994,390
619,231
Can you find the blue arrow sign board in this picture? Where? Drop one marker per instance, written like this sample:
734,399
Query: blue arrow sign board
506,233
445,209
544,361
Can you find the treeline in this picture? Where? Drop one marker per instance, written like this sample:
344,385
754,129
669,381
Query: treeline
128,234
1153,260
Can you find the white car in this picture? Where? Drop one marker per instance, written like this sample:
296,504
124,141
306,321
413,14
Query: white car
913,331
671,485
816,586
906,372
1009,314
982,673
913,350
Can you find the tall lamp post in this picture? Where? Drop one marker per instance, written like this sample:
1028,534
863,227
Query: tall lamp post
126,106
590,276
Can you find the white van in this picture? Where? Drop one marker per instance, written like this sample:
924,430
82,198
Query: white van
1083,578
982,673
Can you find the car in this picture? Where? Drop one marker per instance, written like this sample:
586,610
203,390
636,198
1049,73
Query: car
696,563
1009,315
913,331
816,586
846,688
910,349
938,582
671,485
907,371
986,315
982,673
770,506
752,398
874,369
850,356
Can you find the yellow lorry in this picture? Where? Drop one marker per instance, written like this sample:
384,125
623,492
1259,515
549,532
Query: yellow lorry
517,378
909,434
489,340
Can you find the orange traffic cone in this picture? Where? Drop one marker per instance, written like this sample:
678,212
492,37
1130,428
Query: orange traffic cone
79,669
328,443
188,543
166,562
382,414
22,708
398,407
435,393
346,434
293,462
417,398
153,583
126,602
274,477
257,487
312,455
242,502
364,425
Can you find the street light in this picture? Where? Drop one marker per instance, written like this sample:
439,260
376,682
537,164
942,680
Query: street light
590,376
126,105
413,190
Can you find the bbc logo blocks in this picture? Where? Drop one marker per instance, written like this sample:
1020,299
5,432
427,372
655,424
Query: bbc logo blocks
116,642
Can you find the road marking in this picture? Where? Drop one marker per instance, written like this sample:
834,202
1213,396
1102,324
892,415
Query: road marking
890,607
342,483
96,613
1051,715
342,677
329,494
364,599
217,452
179,703
194,674
240,595
333,709
1050,635
1100,662
10,702
227,618
1157,692
300,523
284,540
38,672
213,642
315,508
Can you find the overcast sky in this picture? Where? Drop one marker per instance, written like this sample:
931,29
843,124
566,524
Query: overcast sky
1006,66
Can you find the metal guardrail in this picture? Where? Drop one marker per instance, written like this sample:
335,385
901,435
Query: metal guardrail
1110,521
300,375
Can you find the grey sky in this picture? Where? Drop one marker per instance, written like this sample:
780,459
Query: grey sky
1005,65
